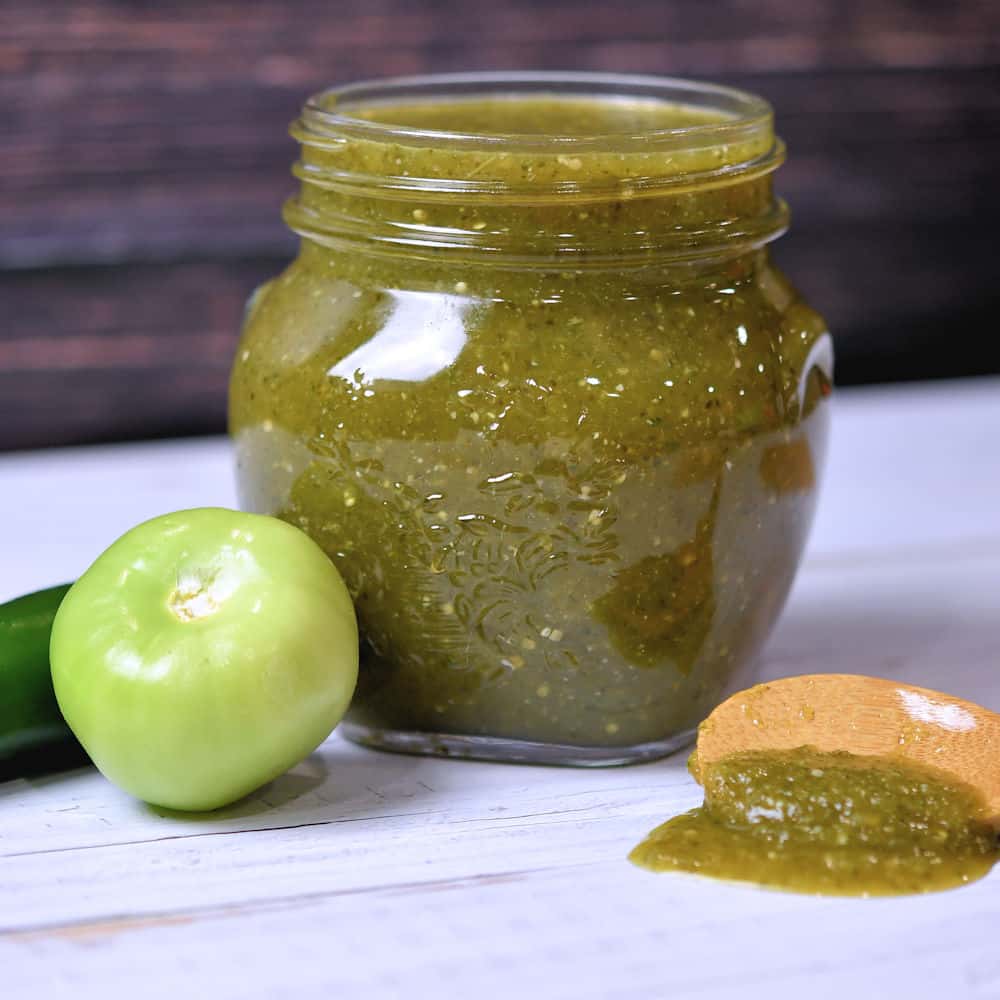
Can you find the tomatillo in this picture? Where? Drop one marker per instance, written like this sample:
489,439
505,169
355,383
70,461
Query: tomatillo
203,654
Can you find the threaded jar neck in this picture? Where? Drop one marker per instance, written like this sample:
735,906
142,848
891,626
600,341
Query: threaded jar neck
524,169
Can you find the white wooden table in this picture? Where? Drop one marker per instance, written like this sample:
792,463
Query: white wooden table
367,875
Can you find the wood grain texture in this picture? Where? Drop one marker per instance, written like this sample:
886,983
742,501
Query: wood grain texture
132,351
146,157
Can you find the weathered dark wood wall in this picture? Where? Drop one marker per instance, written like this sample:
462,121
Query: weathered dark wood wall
144,159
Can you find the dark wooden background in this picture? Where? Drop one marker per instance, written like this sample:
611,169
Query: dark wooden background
144,159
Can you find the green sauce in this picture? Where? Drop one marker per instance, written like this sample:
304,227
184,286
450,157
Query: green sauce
566,474
540,116
828,823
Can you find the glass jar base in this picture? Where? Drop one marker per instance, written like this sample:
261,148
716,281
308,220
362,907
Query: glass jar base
499,750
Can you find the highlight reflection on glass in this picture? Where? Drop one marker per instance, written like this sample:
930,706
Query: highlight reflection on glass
422,335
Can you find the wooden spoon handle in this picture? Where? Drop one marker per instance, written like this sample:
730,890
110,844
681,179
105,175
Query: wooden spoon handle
868,716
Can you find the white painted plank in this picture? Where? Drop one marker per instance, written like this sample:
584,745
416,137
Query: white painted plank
932,621
352,820
597,931
911,465
391,876
59,509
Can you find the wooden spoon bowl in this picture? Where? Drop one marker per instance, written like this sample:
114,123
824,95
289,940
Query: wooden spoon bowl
867,716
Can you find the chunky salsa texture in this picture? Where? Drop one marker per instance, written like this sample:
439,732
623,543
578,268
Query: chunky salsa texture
828,823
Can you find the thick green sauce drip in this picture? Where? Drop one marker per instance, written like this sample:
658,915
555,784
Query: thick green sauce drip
827,823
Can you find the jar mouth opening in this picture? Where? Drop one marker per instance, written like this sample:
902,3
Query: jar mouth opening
334,113
616,167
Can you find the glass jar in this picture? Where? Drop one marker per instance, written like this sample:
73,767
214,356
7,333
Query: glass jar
534,385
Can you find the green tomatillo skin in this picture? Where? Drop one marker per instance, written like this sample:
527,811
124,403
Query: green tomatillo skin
203,654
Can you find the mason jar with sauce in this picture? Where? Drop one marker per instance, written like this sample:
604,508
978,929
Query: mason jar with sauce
534,385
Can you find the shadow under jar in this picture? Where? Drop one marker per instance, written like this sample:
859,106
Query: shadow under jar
535,387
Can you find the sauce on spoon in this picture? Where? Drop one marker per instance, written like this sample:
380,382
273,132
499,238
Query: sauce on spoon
840,785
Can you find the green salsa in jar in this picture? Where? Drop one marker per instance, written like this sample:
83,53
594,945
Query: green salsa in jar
535,387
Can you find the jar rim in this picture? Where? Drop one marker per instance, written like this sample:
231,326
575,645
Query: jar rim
327,114
366,181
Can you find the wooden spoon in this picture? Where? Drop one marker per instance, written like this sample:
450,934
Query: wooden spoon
868,716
